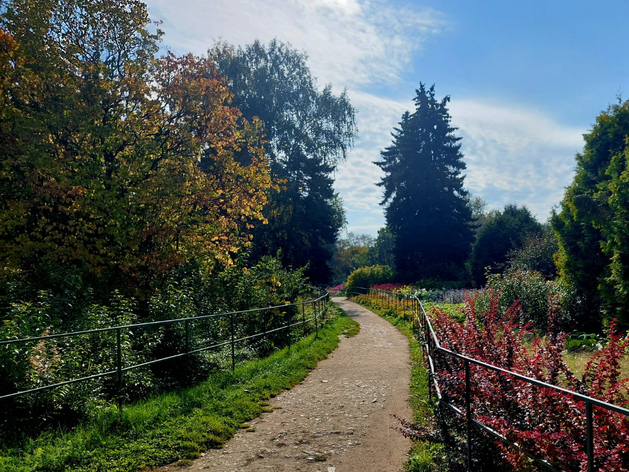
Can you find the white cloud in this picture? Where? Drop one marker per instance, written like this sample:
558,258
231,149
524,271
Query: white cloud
357,177
349,42
515,154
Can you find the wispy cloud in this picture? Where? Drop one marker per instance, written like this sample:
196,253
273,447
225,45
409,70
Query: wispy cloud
357,177
353,44
350,42
513,153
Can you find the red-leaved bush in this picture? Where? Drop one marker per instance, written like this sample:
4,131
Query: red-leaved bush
336,288
387,287
543,421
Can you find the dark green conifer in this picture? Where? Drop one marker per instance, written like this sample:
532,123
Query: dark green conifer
425,203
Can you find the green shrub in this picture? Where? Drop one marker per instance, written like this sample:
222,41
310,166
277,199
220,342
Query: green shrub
537,253
441,285
72,306
266,283
584,342
36,364
365,277
532,290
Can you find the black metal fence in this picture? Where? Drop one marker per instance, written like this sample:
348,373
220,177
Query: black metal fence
426,335
288,319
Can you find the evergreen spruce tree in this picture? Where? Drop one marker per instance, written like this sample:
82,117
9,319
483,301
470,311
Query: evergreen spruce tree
425,204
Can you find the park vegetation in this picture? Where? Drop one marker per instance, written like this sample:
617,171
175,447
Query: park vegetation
139,185
440,236
143,186
547,424
546,300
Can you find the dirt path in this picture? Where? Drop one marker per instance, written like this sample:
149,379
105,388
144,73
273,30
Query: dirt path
338,419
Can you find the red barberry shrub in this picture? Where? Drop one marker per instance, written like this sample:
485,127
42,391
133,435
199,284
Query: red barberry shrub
388,287
545,422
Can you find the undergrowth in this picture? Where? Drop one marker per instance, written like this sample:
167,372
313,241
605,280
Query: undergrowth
176,426
544,422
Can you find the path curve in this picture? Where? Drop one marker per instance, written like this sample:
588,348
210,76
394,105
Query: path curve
339,418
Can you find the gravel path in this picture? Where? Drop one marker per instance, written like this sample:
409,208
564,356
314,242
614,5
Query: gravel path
338,419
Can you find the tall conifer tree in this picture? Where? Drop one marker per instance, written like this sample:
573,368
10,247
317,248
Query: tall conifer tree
425,203
592,223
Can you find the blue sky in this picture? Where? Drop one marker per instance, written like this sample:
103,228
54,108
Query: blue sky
526,78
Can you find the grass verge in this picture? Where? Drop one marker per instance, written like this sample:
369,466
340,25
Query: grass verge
177,426
425,456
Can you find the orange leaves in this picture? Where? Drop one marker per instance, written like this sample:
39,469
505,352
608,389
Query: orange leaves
117,162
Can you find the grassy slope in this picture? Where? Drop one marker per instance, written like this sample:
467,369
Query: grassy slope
177,426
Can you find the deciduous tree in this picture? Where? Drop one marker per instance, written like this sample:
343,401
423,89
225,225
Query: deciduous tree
503,232
115,163
308,132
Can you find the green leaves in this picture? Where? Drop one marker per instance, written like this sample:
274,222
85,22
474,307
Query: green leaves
593,222
118,164
363,278
501,233
308,131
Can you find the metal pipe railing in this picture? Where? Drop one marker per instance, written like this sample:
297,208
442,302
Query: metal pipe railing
315,304
431,346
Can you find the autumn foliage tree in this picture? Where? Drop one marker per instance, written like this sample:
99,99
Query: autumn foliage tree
115,163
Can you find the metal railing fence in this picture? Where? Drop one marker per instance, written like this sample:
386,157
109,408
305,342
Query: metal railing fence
294,315
426,335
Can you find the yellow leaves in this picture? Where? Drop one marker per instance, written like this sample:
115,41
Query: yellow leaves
138,171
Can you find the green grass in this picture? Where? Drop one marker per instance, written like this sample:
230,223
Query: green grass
425,456
577,361
177,426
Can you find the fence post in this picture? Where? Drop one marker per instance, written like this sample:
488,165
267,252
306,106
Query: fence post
468,406
265,335
314,307
303,320
428,350
417,317
187,335
231,321
590,436
119,368
288,324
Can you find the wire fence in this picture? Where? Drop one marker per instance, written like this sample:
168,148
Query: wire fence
198,334
433,350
